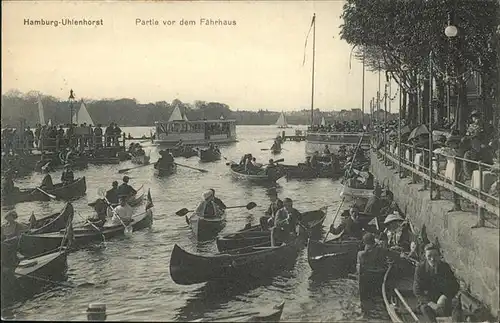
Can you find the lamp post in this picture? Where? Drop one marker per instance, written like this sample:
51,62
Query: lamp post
451,32
71,101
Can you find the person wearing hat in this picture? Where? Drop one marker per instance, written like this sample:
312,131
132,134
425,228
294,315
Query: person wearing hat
275,205
350,226
12,228
96,312
8,186
112,194
208,208
67,176
47,183
123,211
475,128
125,189
101,208
218,201
396,235
435,285
166,160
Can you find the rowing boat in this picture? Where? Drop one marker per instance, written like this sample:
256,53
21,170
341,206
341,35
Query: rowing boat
276,151
206,228
265,175
334,257
269,316
140,160
186,152
209,155
253,236
61,191
187,268
32,244
31,274
160,172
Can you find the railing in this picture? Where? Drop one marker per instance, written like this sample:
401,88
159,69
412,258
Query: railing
339,137
81,142
466,179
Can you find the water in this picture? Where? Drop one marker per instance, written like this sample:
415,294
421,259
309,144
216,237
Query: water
131,275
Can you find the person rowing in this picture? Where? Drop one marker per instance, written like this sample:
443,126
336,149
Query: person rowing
208,207
165,161
275,205
218,201
100,207
67,176
47,183
112,194
276,146
280,226
123,211
12,228
125,189
350,226
8,186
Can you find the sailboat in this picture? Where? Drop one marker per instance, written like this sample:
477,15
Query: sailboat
323,122
82,115
281,123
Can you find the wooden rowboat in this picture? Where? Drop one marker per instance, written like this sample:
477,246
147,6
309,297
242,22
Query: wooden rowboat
187,152
160,172
209,155
253,236
63,192
265,175
187,268
32,244
31,274
206,228
334,257
269,316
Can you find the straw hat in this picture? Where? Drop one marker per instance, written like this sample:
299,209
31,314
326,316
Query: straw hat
395,216
208,194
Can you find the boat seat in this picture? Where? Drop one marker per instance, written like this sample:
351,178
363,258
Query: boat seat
28,264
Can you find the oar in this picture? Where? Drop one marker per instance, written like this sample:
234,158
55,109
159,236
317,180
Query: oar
128,229
249,206
49,195
335,217
96,228
127,169
198,169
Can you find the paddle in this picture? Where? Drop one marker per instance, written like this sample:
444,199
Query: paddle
49,195
97,229
127,169
198,169
128,229
249,206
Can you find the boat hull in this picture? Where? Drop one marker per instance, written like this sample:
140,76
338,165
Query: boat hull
272,176
162,172
334,257
140,160
206,228
209,155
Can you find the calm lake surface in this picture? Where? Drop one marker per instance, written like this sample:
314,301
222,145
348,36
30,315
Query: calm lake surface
131,275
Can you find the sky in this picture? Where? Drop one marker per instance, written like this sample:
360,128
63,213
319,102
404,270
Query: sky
255,64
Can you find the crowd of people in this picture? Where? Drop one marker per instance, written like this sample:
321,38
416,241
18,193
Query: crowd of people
351,126
52,138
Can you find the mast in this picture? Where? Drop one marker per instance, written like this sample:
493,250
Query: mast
363,91
313,61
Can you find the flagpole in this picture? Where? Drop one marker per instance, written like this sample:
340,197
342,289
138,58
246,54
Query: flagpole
313,61
363,91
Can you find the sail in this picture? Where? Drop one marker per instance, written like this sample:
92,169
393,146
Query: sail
281,120
83,116
323,122
49,123
176,115
41,116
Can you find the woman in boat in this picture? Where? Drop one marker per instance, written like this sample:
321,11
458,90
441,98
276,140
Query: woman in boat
47,183
396,236
67,176
275,205
208,208
12,228
123,211
100,207
8,186
435,285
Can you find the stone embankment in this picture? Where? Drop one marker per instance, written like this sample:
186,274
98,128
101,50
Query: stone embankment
472,253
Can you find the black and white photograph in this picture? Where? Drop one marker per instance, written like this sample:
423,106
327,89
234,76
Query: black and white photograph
250,161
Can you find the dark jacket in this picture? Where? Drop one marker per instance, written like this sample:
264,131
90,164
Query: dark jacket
125,189
295,217
372,259
429,286
271,211
374,206
219,203
350,227
112,195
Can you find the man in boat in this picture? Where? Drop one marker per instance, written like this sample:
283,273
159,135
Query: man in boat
375,203
396,235
12,228
112,194
275,205
8,186
434,285
326,152
293,214
281,228
351,225
390,205
208,207
370,267
276,146
125,189
218,201
249,167
47,183
123,211
100,207
67,176
165,161
243,159
314,160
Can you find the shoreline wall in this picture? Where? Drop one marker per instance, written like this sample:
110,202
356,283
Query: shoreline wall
472,253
